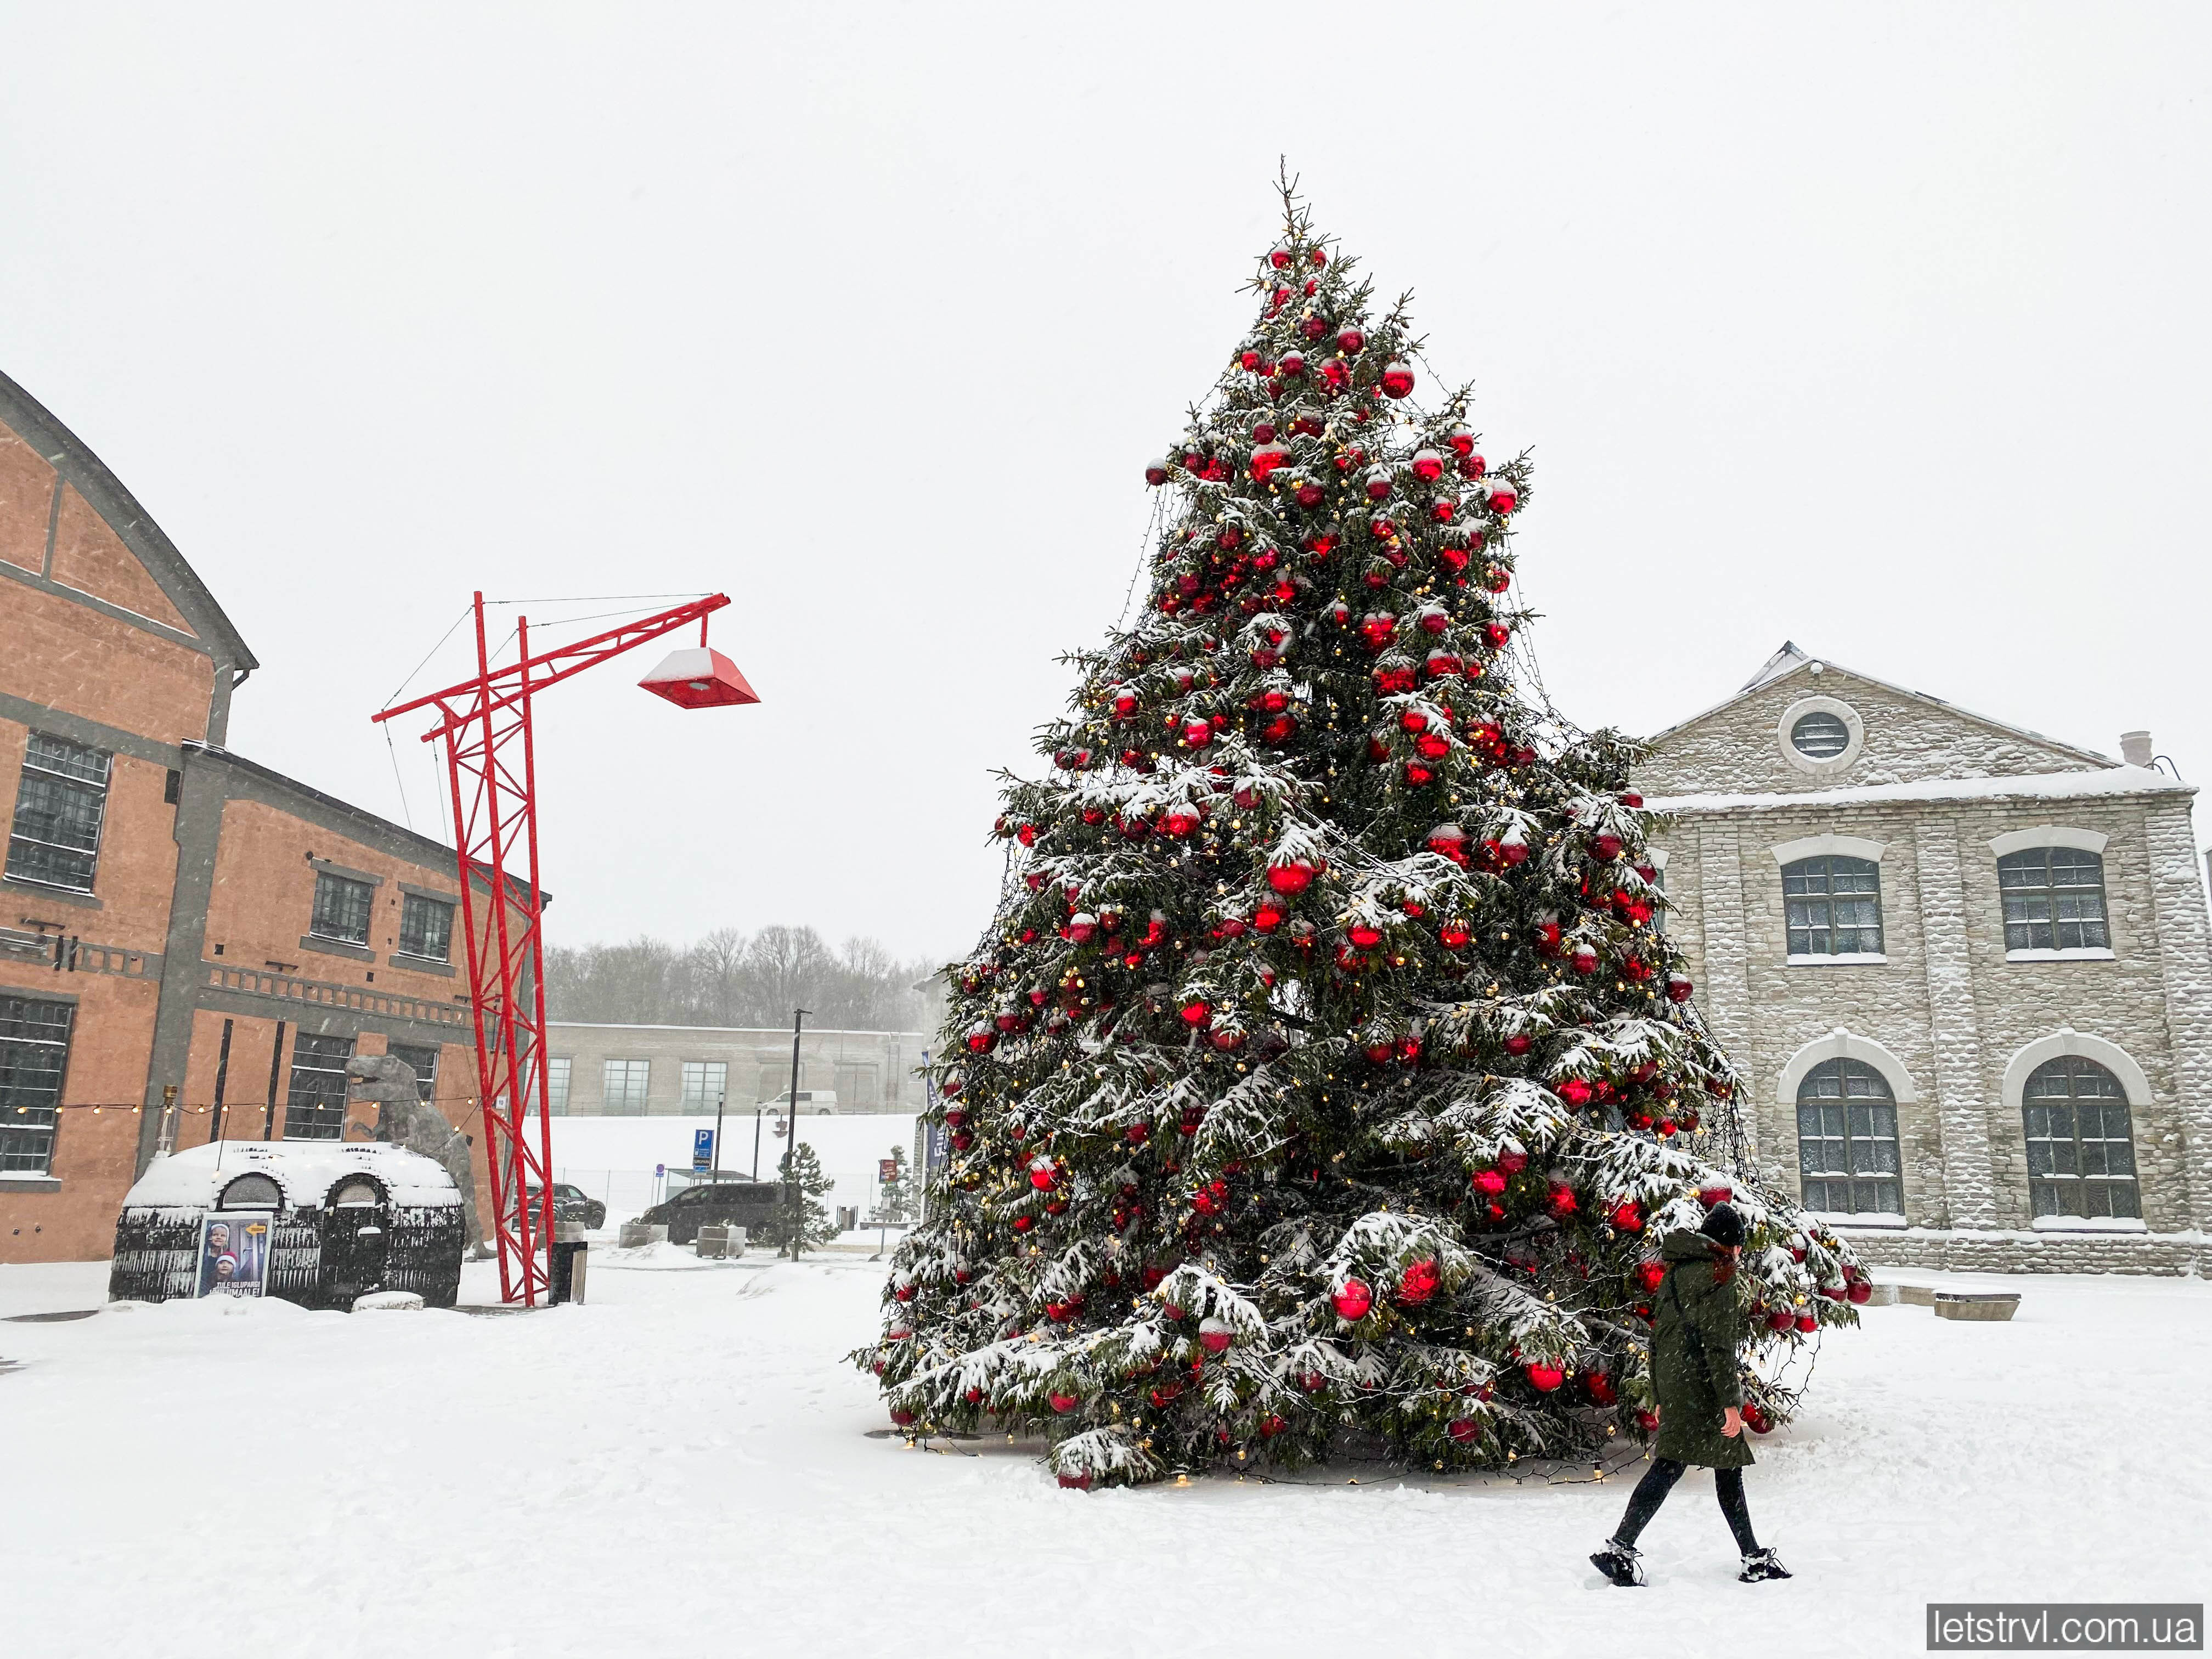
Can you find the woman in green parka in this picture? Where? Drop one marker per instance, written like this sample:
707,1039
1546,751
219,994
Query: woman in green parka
1695,1374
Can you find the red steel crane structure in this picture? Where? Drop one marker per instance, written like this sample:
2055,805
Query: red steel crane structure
491,764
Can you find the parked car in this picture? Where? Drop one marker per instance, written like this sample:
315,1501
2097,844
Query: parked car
744,1204
572,1203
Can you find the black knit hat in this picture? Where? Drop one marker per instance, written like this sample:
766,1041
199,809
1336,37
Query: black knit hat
1724,1225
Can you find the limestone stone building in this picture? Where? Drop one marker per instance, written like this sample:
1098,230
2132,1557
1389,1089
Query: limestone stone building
1965,970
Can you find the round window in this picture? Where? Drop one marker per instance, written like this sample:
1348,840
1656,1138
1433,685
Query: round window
356,1193
1820,736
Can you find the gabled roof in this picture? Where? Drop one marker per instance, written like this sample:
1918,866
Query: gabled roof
1791,659
88,475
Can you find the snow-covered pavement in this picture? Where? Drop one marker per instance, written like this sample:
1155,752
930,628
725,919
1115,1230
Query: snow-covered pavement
684,1466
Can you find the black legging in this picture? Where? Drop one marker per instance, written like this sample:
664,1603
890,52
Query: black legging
1659,1480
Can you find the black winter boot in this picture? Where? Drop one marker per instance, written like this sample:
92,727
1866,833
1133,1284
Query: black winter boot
1762,1564
1620,1564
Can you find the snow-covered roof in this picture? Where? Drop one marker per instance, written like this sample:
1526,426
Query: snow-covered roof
1792,659
304,1171
2033,785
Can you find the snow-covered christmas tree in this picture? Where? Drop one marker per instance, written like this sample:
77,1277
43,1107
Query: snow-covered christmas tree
1325,1069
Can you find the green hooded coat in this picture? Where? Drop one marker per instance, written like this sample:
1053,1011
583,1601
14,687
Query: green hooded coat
1694,1371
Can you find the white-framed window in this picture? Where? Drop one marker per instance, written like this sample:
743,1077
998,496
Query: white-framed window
2054,902
1832,907
556,1085
2080,1142
60,805
1820,735
425,927
315,1101
1847,1155
423,1057
705,1083
342,909
623,1086
34,1049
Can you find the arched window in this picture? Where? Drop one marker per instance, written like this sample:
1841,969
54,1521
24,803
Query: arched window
1834,906
251,1192
1847,1140
2054,899
355,1192
2081,1148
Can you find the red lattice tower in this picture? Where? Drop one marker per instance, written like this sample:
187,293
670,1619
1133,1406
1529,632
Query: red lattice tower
491,765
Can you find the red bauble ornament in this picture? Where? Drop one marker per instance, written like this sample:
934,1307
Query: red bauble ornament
1453,935
1679,988
1463,1429
1065,1402
1353,1299
1196,1012
1428,465
1291,877
1715,1192
1279,257
1808,1323
1080,927
1650,1274
1378,484
1600,1388
1606,846
1266,458
982,1039
1513,1163
1280,730
1156,472
1575,1091
1214,1336
1860,1292
1270,1425
1418,1282
1024,1223
1489,1182
1350,339
1560,1199
1397,379
1293,361
1310,494
1363,934
1042,1175
1267,918
1542,1377
1584,959
1627,1216
1503,498
1755,1419
1449,840
1377,629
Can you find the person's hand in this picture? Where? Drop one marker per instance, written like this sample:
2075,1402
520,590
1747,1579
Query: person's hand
1732,1422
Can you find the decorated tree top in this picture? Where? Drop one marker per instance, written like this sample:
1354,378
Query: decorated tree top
1324,1067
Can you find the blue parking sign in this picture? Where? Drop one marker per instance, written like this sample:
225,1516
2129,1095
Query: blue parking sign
702,1148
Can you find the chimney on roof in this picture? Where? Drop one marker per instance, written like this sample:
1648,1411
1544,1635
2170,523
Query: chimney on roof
2134,748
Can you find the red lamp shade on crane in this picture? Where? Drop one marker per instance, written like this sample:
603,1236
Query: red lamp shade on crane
699,677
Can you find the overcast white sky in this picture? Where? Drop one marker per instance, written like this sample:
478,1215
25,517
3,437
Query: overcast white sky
1879,328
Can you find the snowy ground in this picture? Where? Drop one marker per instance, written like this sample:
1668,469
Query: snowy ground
684,1464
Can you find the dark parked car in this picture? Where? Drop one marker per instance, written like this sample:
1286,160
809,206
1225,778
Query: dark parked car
574,1203
744,1204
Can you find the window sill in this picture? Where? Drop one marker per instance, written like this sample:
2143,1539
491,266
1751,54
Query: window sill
336,947
1848,959
2089,1224
421,965
2094,954
23,1181
1861,1218
58,895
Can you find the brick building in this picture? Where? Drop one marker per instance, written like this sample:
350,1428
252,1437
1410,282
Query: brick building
172,915
1966,970
636,1071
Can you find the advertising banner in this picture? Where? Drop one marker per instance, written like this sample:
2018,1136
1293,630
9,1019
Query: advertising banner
234,1253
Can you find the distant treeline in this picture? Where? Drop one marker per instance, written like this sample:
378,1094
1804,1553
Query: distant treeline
730,978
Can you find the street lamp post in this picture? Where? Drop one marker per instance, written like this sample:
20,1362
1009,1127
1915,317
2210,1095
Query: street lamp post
791,1151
